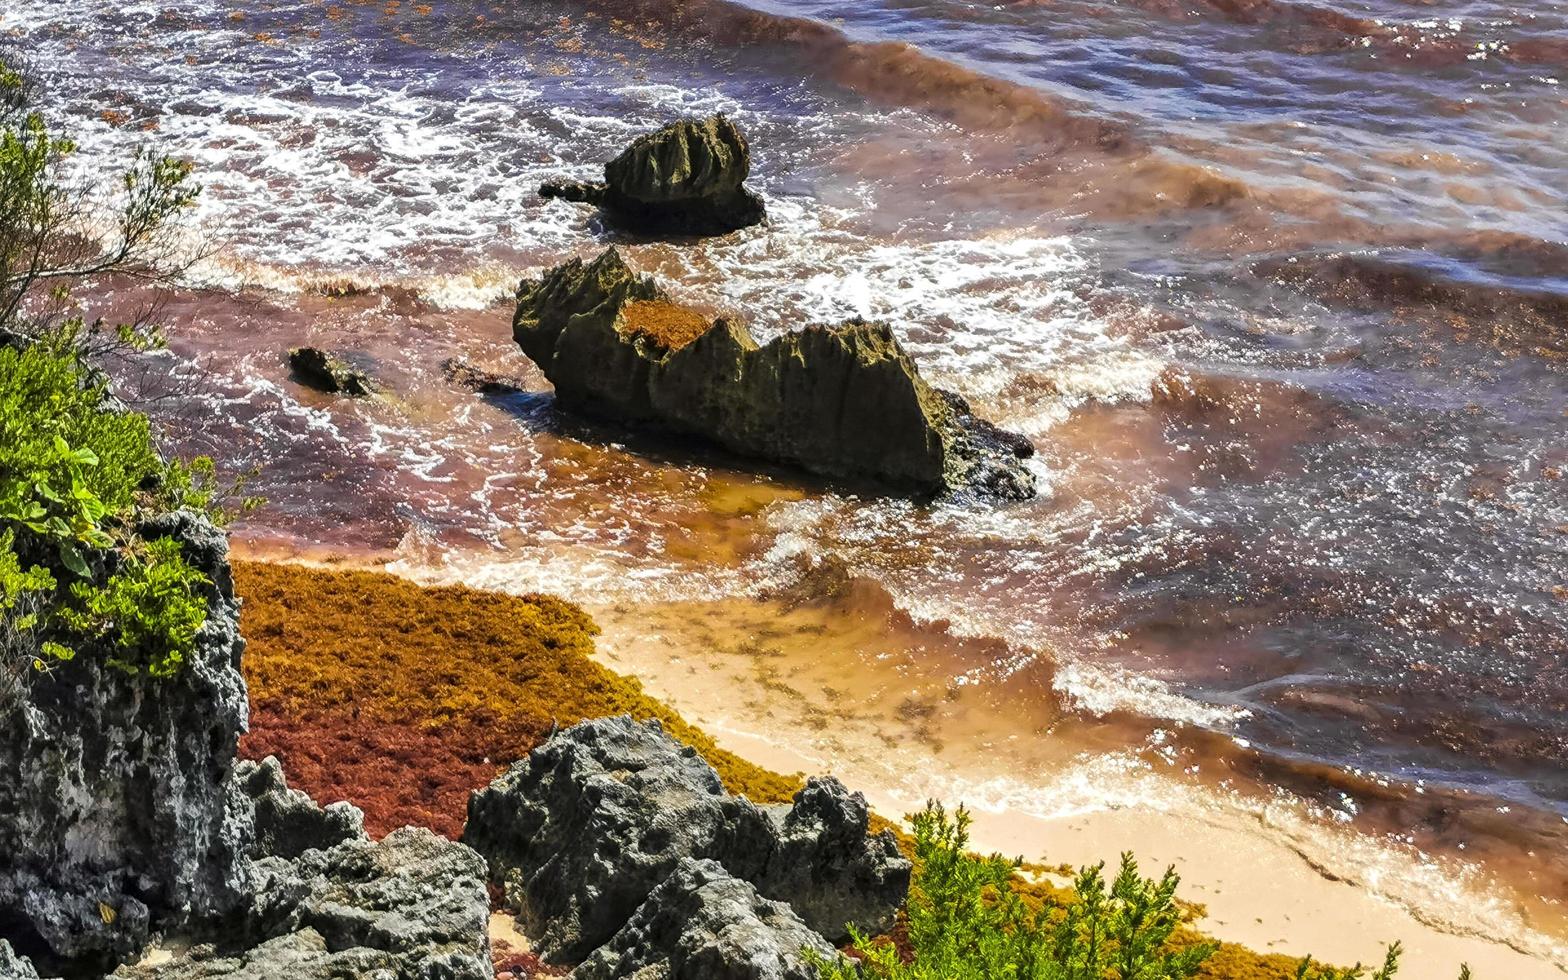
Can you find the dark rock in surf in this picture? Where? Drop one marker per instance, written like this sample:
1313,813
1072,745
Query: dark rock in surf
465,375
588,827
329,373
702,923
685,179
845,402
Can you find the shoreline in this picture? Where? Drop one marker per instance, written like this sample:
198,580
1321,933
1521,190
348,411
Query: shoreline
1256,873
1096,804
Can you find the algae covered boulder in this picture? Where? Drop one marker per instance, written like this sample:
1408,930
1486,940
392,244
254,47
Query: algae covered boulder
685,179
845,401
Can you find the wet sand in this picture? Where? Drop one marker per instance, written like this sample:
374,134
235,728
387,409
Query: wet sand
1270,877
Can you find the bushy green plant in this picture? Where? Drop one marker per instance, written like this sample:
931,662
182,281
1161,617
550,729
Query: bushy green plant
75,475
48,222
966,922
148,612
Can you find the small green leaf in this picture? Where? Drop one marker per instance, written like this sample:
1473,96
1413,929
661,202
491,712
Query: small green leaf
71,558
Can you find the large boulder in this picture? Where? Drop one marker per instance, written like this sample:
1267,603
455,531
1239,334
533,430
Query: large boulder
846,402
326,902
685,179
113,796
581,832
702,923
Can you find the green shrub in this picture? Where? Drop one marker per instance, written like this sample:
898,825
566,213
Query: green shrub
965,921
75,478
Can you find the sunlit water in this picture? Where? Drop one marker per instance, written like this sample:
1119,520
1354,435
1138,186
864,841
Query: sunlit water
1278,289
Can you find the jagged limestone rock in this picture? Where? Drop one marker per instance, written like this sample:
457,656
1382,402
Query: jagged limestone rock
583,830
13,966
702,923
285,823
846,402
329,373
113,797
326,902
685,179
123,813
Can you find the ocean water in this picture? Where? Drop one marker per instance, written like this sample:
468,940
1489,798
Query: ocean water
1279,289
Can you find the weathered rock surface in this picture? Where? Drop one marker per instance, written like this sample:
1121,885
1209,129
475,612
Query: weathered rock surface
685,179
328,903
278,822
702,923
13,966
113,801
845,402
329,373
581,832
123,813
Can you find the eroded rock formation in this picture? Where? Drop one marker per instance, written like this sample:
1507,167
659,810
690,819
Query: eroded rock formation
113,798
327,902
123,814
702,923
685,179
595,821
846,402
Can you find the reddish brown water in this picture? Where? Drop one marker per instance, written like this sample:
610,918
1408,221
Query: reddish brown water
1277,288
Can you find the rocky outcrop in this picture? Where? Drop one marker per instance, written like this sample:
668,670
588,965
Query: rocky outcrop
329,373
113,797
327,902
685,179
13,966
846,402
278,822
702,923
123,815
582,832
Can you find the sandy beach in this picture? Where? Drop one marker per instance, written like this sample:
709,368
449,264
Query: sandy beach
1271,876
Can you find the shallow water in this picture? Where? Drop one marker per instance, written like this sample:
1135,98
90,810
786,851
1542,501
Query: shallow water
1277,288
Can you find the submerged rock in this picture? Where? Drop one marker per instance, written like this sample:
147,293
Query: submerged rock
844,401
328,372
702,923
113,788
582,832
685,179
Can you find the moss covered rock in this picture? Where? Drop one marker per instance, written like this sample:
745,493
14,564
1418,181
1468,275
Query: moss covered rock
845,402
330,373
685,179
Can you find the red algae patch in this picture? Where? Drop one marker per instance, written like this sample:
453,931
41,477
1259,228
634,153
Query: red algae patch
398,774
401,699
664,323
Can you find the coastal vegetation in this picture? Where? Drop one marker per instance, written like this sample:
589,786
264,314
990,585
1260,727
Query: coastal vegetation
80,476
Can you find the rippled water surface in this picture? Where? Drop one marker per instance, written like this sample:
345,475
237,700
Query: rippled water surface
1279,289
